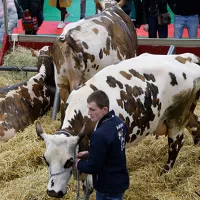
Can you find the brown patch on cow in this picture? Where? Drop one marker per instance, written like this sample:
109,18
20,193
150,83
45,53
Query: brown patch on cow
183,60
85,45
173,79
122,33
137,74
149,77
137,91
101,54
60,51
180,109
120,103
106,50
77,49
112,82
161,129
2,129
140,112
95,30
125,75
76,123
93,87
184,76
95,66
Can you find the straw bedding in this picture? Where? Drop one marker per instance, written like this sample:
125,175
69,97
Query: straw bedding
20,58
24,175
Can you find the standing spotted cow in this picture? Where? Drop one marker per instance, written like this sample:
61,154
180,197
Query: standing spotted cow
151,93
88,45
21,106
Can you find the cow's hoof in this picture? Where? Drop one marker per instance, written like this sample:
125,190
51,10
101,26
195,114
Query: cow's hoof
164,170
196,140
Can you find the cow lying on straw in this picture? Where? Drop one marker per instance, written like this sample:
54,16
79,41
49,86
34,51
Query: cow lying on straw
151,93
23,104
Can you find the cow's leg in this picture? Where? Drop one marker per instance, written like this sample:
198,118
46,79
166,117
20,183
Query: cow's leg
193,127
175,142
88,187
64,93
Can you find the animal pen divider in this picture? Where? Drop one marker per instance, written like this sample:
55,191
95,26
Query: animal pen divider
145,45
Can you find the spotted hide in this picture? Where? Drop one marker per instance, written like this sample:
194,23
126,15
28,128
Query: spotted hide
88,45
153,94
21,106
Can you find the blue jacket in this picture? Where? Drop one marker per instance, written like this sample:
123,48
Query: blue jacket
107,159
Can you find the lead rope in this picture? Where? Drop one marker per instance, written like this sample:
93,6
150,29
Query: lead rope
78,180
78,186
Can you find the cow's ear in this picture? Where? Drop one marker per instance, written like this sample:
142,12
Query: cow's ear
34,53
121,3
81,134
51,51
98,5
39,130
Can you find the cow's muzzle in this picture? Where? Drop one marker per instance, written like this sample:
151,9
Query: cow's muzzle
54,194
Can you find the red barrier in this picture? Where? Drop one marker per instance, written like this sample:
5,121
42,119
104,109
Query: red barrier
4,48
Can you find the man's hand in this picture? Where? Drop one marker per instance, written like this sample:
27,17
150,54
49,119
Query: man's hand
83,155
76,163
146,27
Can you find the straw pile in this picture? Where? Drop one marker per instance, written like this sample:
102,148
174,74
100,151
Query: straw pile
24,175
20,58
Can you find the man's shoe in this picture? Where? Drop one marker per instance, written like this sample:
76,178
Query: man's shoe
61,24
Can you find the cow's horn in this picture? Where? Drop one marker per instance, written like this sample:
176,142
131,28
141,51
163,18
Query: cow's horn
81,133
39,130
121,3
98,5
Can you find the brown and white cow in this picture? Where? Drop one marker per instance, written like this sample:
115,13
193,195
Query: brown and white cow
23,104
88,45
151,93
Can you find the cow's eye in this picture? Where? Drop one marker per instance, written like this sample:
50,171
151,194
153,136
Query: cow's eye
46,161
69,163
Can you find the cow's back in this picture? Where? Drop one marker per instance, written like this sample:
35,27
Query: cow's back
141,91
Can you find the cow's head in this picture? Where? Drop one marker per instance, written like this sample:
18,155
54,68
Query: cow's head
61,149
106,3
45,58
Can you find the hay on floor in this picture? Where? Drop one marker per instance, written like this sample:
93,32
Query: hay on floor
24,175
20,58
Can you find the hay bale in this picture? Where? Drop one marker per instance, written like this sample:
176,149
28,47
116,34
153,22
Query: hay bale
19,58
24,175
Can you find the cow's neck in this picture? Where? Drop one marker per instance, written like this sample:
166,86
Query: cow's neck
75,128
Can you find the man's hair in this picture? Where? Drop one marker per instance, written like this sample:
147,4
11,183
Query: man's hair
100,98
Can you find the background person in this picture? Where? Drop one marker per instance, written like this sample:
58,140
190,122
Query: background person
83,9
185,16
12,17
151,10
106,160
61,5
35,8
127,6
136,13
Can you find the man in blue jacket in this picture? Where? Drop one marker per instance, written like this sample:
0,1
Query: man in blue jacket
106,157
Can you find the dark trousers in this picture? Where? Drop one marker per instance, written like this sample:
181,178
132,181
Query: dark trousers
40,18
63,11
154,27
